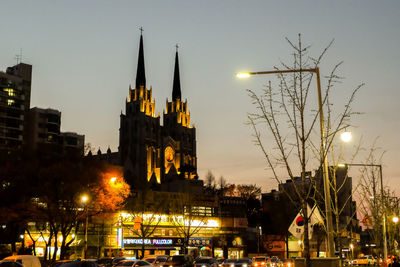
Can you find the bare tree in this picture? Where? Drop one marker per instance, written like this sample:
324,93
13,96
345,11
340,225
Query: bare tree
186,217
288,118
144,211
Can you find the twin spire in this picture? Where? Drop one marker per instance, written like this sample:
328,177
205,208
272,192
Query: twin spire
140,73
141,76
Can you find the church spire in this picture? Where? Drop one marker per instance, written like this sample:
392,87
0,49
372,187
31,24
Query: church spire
176,88
140,73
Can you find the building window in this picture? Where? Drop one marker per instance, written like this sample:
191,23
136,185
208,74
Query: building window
10,102
10,91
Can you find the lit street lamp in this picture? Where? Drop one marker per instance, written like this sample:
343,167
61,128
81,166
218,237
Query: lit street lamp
346,136
324,160
84,200
352,251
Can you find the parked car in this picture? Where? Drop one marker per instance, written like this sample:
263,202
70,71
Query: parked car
156,260
364,260
243,262
275,262
206,262
60,262
116,260
133,263
25,260
287,263
220,260
228,263
81,263
6,263
261,261
105,262
179,261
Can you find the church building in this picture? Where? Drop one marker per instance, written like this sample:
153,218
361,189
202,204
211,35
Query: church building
162,155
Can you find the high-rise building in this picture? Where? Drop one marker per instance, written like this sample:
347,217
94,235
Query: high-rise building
15,94
44,131
43,127
149,151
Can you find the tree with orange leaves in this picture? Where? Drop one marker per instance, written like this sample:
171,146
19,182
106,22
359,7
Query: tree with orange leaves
111,191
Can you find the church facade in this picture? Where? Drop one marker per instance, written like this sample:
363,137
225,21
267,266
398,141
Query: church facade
149,151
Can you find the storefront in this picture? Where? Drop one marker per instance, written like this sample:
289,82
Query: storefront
133,246
197,246
231,247
200,246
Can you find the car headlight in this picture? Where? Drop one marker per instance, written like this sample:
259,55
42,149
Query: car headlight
232,265
244,265
203,265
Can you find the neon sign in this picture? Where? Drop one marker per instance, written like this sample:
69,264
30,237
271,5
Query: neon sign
148,241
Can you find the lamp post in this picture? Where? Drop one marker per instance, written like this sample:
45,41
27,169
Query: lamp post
84,200
324,160
352,251
385,252
395,220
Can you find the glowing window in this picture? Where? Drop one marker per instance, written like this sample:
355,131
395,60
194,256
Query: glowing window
10,91
10,102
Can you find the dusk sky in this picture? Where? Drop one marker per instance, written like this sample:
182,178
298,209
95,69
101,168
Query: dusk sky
84,56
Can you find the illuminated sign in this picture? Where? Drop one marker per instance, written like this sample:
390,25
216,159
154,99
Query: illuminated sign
120,235
200,241
149,241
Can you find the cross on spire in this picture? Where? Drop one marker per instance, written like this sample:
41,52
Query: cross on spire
141,30
177,46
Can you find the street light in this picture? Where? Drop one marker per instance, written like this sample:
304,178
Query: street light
324,160
352,250
84,200
346,136
385,252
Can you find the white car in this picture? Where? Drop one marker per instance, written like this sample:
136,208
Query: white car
156,260
25,260
133,263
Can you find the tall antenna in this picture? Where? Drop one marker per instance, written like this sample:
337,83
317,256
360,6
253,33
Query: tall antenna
18,58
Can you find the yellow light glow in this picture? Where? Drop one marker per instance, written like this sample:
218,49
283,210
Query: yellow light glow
351,246
243,75
10,102
346,136
341,165
299,242
395,219
84,198
124,214
113,179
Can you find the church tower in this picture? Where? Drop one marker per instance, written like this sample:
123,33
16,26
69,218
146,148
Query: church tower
179,136
164,156
140,131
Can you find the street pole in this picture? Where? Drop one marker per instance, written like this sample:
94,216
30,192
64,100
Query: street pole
327,188
324,160
86,232
385,252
